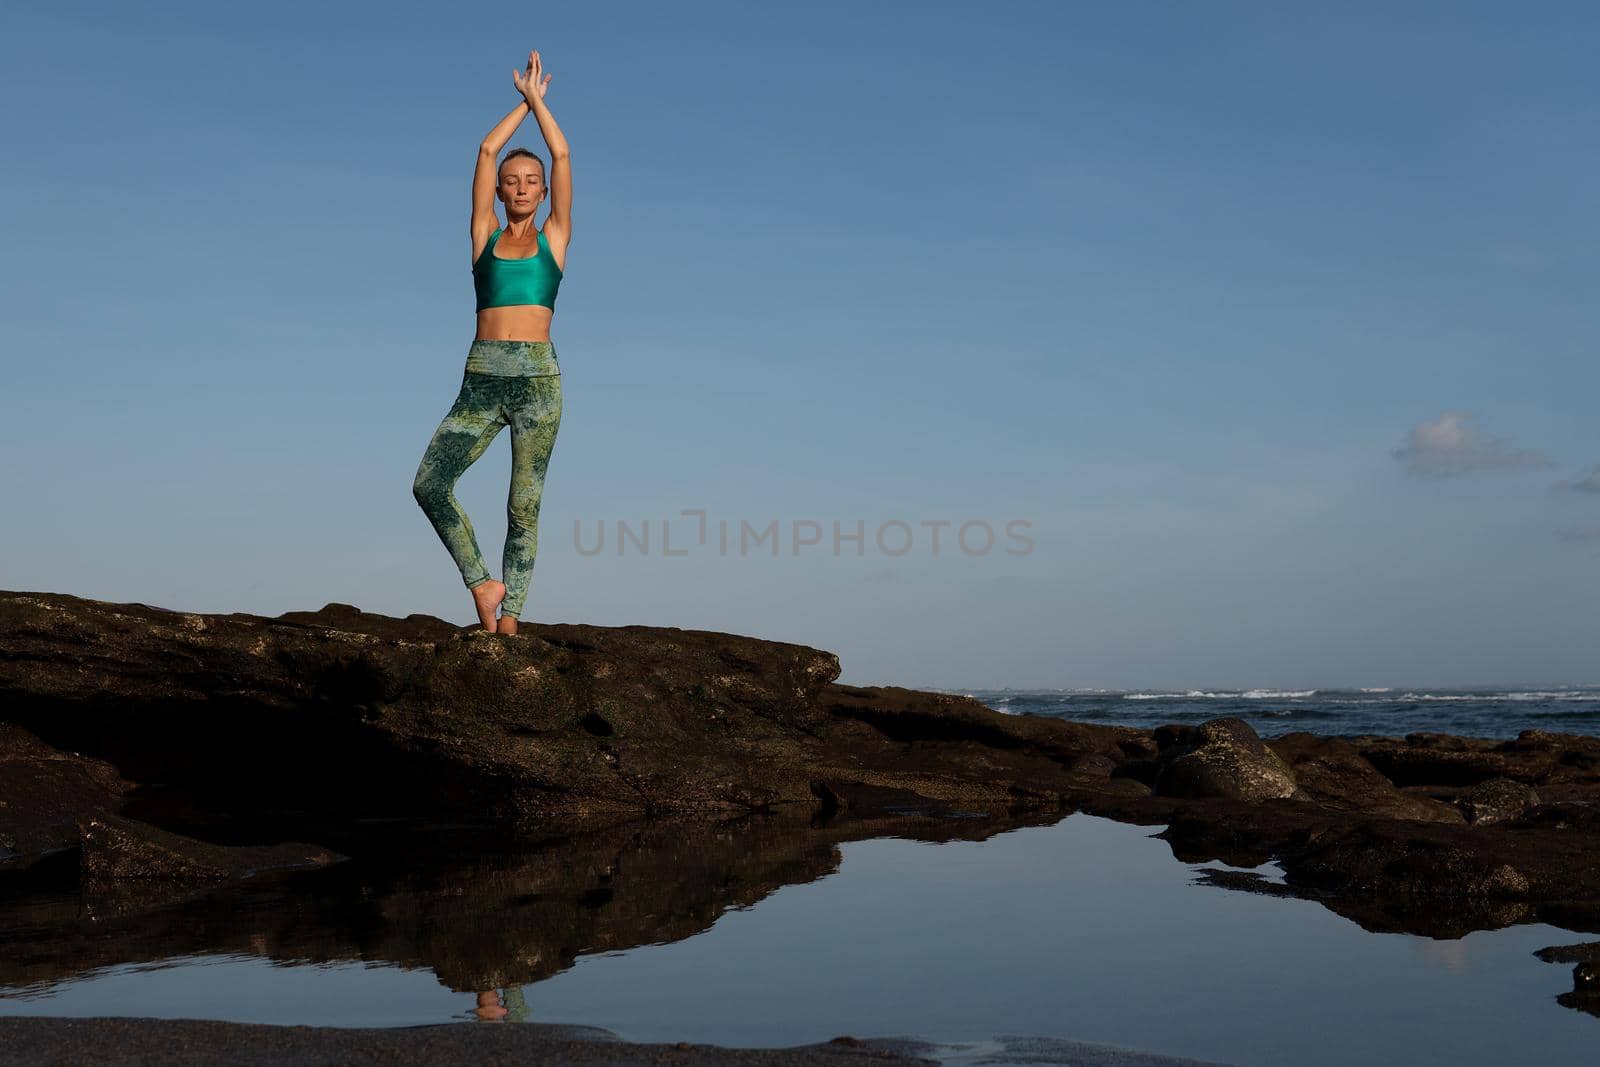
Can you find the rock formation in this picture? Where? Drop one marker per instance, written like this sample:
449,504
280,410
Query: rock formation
193,754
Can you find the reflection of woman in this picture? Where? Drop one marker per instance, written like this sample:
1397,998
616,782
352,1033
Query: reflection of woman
512,377
489,1008
493,1006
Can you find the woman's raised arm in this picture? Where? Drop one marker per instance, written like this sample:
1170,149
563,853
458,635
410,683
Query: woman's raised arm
532,86
486,176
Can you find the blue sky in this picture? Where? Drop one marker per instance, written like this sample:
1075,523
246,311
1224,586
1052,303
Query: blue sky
1275,325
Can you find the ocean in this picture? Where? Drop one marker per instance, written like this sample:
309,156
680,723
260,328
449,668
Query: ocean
1490,712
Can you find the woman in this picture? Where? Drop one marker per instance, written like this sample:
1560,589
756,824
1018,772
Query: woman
512,377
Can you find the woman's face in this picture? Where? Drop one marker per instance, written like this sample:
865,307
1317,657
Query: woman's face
521,186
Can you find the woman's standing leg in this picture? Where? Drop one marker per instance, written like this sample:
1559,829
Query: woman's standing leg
535,418
476,417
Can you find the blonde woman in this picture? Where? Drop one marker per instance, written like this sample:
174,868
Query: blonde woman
512,377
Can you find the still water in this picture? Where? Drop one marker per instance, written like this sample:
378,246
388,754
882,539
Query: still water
1086,929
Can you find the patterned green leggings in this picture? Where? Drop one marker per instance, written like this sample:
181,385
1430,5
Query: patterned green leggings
506,383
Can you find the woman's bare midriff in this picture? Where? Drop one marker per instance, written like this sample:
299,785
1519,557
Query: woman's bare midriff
516,322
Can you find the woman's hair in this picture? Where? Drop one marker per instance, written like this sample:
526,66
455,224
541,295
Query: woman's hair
515,152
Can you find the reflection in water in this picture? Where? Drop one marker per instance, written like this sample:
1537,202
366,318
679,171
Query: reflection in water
502,1005
1082,928
490,1008
479,922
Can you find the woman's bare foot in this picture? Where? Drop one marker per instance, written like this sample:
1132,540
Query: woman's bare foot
508,624
487,595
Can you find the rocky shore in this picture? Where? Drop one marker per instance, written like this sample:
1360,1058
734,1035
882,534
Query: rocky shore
152,757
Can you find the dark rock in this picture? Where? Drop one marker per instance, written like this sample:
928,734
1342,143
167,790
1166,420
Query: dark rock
1585,953
1221,758
1583,1002
1496,800
53,802
1119,786
115,849
1094,764
1143,771
1585,995
326,726
559,725
1405,859
1534,757
1582,817
44,795
1331,772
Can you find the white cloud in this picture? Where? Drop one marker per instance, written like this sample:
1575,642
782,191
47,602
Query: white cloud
1450,445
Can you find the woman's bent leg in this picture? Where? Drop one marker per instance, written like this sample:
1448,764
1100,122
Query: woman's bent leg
535,418
477,415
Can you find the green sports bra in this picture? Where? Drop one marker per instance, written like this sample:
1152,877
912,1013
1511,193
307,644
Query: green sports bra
504,282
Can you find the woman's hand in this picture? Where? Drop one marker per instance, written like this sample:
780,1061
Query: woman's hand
528,81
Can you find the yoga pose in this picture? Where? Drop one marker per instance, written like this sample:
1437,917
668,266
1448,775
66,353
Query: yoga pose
512,377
